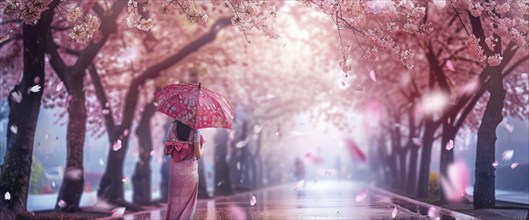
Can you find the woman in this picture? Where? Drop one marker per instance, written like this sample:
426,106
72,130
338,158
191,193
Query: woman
183,173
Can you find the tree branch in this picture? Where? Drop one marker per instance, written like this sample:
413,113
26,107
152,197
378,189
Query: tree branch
108,26
101,96
56,61
16,37
515,65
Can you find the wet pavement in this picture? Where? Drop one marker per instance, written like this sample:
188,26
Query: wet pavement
315,200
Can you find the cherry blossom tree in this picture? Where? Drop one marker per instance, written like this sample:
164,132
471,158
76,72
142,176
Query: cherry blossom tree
72,77
379,24
113,179
24,101
86,28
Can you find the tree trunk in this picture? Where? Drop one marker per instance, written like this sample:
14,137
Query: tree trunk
16,169
396,149
412,170
386,178
402,169
426,156
392,165
484,187
141,178
111,186
222,170
73,179
447,156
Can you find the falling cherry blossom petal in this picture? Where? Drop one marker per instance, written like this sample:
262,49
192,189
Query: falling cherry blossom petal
471,86
434,102
105,111
394,212
35,88
14,129
495,164
124,179
253,200
458,178
509,127
242,143
361,196
372,75
328,172
514,165
117,145
355,150
417,141
313,157
433,212
16,96
117,212
152,153
450,66
343,83
7,196
73,173
59,87
61,203
299,185
507,155
126,132
101,162
450,145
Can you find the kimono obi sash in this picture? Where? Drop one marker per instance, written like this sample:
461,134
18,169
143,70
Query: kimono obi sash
179,150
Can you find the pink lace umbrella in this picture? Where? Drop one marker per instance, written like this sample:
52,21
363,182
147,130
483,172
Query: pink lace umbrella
195,106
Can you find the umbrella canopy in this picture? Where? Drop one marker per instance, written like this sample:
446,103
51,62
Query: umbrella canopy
195,106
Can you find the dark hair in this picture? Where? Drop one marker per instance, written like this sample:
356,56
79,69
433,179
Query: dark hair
181,130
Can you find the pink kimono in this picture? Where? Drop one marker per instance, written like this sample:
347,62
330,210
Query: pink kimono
183,177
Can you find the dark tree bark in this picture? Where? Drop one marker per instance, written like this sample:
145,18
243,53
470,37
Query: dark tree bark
398,155
426,156
484,186
393,171
73,180
16,169
141,178
447,156
412,170
113,192
402,170
222,170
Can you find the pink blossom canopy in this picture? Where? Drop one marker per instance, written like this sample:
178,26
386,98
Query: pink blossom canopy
180,101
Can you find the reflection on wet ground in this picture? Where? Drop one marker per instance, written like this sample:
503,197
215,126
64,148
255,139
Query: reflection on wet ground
316,200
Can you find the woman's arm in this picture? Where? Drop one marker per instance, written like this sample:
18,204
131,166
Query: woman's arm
198,146
198,150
